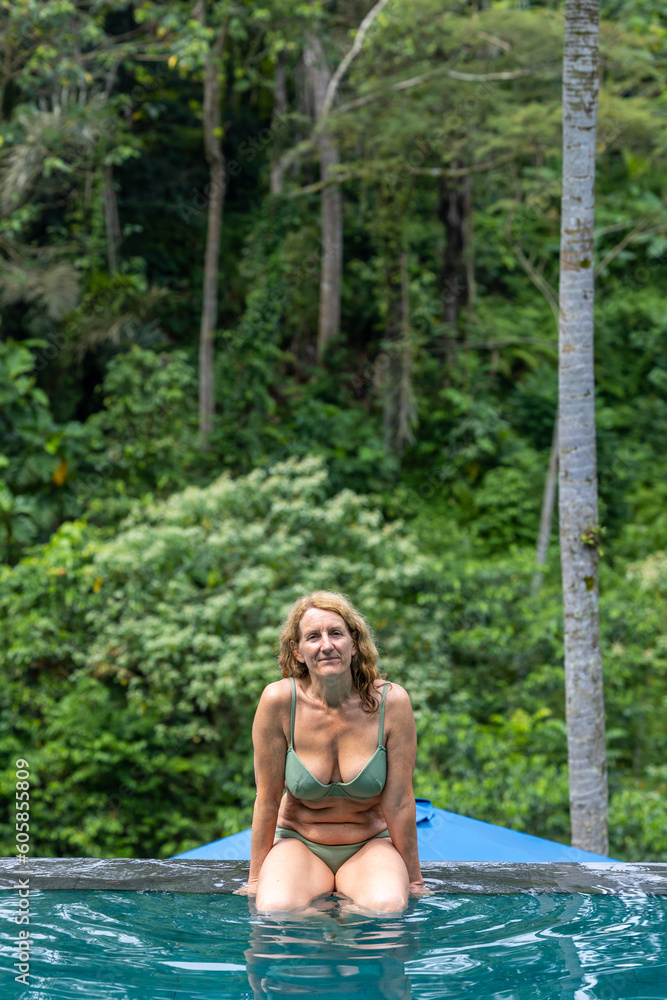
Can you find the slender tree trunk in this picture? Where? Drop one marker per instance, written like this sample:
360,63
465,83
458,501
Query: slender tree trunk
578,507
389,365
111,218
451,211
331,273
406,400
469,251
321,88
394,365
457,276
279,108
216,199
331,276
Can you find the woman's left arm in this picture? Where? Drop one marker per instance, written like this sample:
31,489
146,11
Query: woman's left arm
398,801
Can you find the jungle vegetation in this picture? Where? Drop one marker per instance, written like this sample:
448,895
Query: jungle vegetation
351,382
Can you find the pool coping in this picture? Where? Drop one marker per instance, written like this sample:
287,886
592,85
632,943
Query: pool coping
194,875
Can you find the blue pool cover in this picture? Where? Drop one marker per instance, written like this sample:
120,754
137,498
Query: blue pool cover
442,836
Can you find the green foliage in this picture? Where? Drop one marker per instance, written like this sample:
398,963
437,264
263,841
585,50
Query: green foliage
36,453
638,818
144,441
134,662
168,630
509,771
142,590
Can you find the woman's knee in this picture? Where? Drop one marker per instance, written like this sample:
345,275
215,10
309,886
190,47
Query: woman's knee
282,891
376,878
270,899
391,899
387,893
275,898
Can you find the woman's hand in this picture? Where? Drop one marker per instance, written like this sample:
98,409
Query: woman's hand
249,889
419,889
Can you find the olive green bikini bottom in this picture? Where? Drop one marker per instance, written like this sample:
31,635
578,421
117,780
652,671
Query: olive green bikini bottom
333,855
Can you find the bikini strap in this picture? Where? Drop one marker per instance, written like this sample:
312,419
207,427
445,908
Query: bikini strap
291,727
384,691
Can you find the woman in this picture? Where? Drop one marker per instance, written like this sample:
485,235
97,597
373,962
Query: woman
343,743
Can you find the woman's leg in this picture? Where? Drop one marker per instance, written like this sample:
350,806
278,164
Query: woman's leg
376,877
291,876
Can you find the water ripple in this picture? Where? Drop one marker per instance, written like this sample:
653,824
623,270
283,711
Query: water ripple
172,946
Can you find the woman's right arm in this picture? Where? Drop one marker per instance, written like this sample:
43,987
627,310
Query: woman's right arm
268,737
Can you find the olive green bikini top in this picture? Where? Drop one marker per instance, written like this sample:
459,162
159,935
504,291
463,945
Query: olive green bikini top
303,785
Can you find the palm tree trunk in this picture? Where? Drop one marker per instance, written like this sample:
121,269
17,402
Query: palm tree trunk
578,506
216,161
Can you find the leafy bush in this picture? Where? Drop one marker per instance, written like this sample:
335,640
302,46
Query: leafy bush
148,651
36,453
638,818
135,659
144,440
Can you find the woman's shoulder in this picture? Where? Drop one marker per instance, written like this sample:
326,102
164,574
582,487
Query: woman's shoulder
395,693
274,702
277,692
273,710
399,718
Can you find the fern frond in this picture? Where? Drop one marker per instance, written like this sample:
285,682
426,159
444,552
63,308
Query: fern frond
54,286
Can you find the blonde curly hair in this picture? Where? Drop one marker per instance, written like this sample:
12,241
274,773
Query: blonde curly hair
364,663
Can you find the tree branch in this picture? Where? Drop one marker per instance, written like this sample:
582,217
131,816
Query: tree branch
509,74
345,175
538,280
111,76
354,51
500,42
475,168
286,161
413,81
423,77
639,230
652,232
617,227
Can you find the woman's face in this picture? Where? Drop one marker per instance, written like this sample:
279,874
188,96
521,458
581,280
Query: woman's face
326,645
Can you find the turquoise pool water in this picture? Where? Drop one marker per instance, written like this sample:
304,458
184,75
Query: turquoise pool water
168,946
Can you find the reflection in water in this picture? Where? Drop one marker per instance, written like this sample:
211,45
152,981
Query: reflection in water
184,946
333,951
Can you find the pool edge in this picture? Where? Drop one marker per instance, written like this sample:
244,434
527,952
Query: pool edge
450,877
